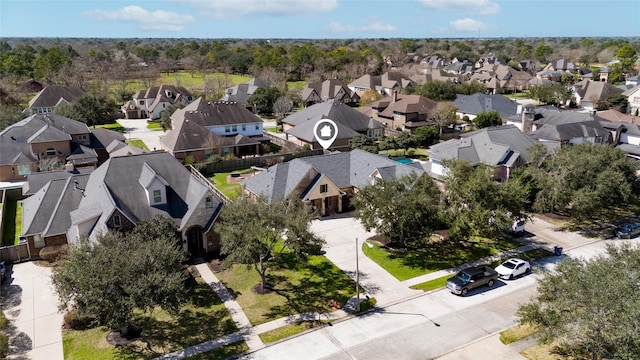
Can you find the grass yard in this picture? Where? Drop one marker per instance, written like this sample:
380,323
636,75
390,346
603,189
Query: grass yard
288,330
232,190
436,255
12,223
223,352
137,143
516,333
295,85
432,284
197,80
203,317
114,126
271,128
297,288
155,126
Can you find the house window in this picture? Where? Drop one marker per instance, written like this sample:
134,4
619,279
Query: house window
257,127
234,128
141,102
397,115
226,150
244,127
24,169
82,137
117,221
209,203
38,241
324,188
227,129
51,152
207,153
157,196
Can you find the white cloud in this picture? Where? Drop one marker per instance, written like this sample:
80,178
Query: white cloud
145,19
467,25
229,8
477,7
373,27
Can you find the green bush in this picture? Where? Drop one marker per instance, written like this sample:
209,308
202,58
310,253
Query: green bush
3,321
411,152
4,345
53,253
76,320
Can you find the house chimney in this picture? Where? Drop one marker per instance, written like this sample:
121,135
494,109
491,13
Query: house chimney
395,96
69,167
528,116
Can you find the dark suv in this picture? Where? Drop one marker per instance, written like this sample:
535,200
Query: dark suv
471,278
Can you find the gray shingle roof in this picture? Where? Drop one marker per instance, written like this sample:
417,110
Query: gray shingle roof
499,145
345,169
115,186
51,95
479,103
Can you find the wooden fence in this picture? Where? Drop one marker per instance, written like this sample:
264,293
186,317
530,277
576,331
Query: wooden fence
209,169
14,253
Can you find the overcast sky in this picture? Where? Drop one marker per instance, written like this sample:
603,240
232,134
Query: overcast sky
318,19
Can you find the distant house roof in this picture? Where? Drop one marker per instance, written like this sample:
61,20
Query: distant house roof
595,91
494,146
54,95
617,116
326,90
554,124
241,92
118,185
388,80
189,125
404,104
345,169
562,65
16,140
479,103
334,110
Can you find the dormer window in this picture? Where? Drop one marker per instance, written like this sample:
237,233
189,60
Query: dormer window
209,202
169,93
117,221
157,196
51,152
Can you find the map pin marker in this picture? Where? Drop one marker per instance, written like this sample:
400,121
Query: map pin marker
325,131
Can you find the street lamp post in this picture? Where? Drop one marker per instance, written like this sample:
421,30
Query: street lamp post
357,280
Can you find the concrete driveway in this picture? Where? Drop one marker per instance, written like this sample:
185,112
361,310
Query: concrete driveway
31,306
137,129
340,233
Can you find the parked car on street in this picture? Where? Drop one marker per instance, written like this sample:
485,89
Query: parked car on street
628,230
513,268
471,278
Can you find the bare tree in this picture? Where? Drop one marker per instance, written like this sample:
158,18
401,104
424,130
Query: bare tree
444,115
215,86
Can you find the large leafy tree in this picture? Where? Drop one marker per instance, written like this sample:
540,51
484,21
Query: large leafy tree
89,109
255,233
590,308
475,204
437,90
110,278
402,209
487,119
584,180
264,98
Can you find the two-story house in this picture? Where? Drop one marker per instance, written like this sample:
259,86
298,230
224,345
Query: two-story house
43,142
403,111
329,89
204,128
385,84
240,93
633,96
151,102
51,96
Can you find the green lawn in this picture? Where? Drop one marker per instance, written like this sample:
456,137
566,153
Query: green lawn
296,85
12,223
224,352
436,255
113,126
440,282
296,288
232,190
137,143
288,330
155,125
200,319
196,81
271,128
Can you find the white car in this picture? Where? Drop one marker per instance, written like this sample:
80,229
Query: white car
513,268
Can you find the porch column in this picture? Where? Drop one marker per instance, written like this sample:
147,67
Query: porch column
323,209
340,203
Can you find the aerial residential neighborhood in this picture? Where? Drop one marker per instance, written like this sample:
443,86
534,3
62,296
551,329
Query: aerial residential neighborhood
171,190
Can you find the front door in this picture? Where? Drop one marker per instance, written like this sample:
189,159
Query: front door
194,242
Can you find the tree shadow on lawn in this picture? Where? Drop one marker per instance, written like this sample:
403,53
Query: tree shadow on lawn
193,325
436,255
320,286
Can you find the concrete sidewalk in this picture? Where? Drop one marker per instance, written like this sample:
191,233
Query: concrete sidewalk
30,304
236,312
